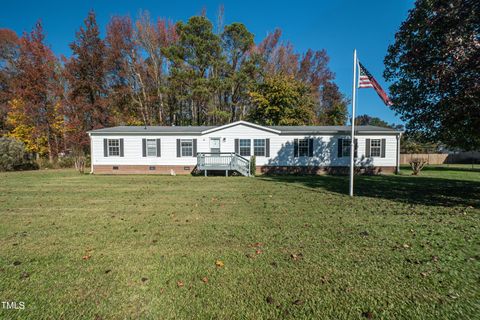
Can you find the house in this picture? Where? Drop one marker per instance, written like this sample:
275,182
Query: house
278,149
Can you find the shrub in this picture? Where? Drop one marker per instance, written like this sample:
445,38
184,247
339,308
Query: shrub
66,162
12,153
61,163
88,161
74,160
79,160
80,163
417,165
27,165
253,165
44,163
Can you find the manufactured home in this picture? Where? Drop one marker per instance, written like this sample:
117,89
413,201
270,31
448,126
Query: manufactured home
277,149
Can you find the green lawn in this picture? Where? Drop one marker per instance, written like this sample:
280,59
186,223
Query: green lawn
114,247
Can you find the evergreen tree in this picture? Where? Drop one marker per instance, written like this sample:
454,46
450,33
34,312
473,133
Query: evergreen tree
240,72
195,61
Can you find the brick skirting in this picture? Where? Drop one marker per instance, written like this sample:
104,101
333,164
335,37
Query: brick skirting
300,170
142,169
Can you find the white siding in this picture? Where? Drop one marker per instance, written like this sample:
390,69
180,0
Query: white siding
240,132
133,151
390,150
281,148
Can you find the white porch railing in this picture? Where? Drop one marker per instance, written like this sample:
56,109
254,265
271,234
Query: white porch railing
223,161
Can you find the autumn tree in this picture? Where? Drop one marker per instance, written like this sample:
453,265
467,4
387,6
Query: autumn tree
137,67
154,72
85,104
36,97
121,66
434,67
311,68
160,73
9,49
331,108
154,39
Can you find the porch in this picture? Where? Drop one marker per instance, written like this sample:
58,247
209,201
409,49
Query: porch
223,161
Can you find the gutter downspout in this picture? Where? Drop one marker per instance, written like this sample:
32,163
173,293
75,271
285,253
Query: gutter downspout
91,153
399,136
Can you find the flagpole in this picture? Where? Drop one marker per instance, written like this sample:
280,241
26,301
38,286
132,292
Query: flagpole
352,140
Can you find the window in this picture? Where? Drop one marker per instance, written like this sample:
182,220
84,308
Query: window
259,147
113,147
303,147
151,147
346,147
215,145
245,147
375,147
186,147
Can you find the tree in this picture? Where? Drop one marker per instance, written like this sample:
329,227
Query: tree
412,142
311,68
85,106
154,72
240,73
154,39
195,62
281,100
35,107
434,66
366,120
121,51
9,48
332,108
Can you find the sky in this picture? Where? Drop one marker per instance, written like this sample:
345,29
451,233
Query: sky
338,26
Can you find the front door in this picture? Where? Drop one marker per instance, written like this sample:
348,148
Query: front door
215,145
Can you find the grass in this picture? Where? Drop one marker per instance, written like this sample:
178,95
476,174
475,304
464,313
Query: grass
137,247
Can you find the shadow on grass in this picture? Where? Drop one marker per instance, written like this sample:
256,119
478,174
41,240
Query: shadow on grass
465,168
409,189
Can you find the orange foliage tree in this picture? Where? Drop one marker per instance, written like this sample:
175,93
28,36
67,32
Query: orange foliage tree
34,110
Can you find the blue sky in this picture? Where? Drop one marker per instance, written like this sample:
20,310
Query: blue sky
338,26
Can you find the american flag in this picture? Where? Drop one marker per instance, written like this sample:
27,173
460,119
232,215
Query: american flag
366,80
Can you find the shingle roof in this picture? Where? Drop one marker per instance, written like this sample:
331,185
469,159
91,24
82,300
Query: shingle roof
154,129
334,129
281,129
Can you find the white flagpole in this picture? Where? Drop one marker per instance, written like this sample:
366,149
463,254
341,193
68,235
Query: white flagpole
352,141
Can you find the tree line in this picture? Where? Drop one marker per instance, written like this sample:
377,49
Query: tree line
156,72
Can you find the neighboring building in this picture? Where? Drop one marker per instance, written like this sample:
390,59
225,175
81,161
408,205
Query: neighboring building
278,149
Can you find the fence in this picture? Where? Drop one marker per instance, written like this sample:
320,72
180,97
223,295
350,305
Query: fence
441,158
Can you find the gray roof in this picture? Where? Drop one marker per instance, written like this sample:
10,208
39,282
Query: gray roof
154,129
282,129
334,129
